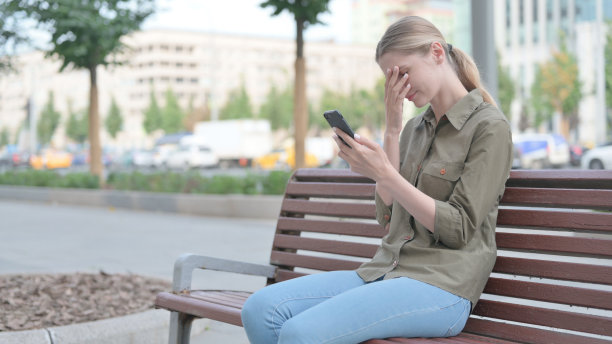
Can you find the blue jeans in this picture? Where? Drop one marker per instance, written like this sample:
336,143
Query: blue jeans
339,307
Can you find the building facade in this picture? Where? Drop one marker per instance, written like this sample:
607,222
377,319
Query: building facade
201,68
529,31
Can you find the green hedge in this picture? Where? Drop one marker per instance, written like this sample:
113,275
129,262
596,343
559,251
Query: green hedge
272,183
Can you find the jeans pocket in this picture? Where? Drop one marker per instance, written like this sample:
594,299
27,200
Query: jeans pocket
458,325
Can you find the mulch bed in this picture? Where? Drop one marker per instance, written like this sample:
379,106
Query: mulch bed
40,301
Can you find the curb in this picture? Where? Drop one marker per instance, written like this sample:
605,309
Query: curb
229,206
149,327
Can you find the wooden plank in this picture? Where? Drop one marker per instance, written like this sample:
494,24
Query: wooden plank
524,334
331,175
310,262
580,322
198,308
284,274
570,179
558,198
340,209
589,273
552,243
370,230
220,297
331,190
550,293
555,219
328,246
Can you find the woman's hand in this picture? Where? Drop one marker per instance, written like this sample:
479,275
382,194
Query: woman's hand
365,157
396,88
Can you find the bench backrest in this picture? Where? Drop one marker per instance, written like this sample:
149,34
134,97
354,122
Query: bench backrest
554,239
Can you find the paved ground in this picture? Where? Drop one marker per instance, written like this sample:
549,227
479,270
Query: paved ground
40,238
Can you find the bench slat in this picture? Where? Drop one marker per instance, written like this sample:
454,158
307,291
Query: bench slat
555,219
567,179
284,274
550,293
551,243
330,175
317,189
544,317
188,305
310,262
341,209
525,334
328,246
578,272
370,230
558,198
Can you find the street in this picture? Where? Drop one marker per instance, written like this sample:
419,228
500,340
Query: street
41,238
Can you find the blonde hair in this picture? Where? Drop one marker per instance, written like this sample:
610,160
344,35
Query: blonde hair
412,35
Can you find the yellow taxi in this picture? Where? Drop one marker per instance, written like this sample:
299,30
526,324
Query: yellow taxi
51,159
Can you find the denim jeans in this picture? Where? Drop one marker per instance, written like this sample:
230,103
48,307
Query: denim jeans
339,307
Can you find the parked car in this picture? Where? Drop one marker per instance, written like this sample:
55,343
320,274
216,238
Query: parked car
51,159
539,151
598,158
143,158
576,152
191,156
161,153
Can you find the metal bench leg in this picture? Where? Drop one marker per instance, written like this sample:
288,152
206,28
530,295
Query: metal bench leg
180,328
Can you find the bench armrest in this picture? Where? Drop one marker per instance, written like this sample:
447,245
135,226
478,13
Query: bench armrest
186,263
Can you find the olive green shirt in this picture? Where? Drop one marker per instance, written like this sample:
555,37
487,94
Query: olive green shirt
463,163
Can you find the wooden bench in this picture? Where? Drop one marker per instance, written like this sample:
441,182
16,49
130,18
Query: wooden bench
552,282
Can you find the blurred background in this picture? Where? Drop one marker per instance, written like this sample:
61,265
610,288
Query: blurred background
210,86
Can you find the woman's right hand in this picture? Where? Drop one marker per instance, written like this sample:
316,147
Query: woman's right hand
396,89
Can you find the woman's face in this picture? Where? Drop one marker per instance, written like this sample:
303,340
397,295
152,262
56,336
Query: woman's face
421,74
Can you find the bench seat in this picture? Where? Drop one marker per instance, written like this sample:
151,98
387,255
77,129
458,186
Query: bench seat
552,281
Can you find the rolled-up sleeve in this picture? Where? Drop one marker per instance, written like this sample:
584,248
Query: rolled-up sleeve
478,189
383,211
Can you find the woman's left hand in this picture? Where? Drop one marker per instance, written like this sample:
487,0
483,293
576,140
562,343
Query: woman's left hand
365,156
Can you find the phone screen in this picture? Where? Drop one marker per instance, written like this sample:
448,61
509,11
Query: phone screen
335,119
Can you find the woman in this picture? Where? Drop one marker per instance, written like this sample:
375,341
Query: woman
438,187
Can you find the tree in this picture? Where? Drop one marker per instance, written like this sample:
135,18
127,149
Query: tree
560,88
85,35
4,137
172,115
12,34
305,13
152,115
48,122
196,115
540,105
77,127
278,107
238,105
506,89
114,121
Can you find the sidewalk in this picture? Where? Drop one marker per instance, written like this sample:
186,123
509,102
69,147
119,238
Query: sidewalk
42,238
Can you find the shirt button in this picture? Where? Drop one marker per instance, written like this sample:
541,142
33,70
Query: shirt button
443,171
387,217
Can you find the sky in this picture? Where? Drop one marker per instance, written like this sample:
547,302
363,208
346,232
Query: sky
246,17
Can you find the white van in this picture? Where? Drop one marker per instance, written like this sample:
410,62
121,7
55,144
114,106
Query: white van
539,151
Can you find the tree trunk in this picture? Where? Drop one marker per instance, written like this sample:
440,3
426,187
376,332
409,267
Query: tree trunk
300,115
95,150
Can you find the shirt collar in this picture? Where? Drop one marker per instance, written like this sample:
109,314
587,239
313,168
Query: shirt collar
459,113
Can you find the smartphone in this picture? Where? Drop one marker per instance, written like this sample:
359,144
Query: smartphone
335,119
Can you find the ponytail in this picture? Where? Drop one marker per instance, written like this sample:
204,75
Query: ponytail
468,73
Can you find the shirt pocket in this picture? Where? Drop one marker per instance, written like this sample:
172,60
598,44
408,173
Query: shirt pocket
438,179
